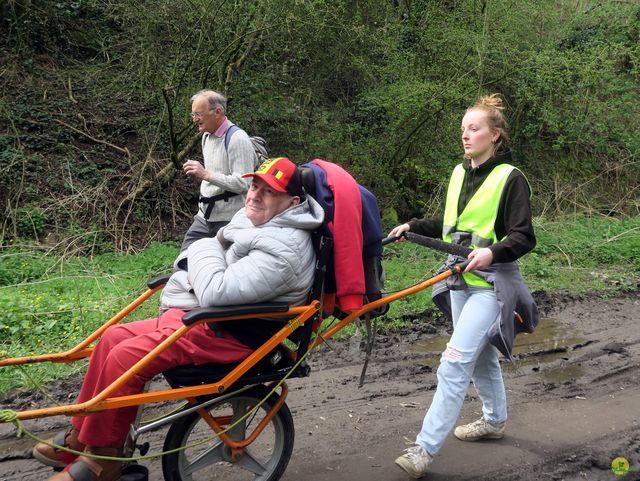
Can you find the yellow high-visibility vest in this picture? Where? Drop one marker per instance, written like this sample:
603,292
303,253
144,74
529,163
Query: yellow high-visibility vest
479,215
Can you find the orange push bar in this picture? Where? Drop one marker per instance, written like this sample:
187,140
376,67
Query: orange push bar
81,350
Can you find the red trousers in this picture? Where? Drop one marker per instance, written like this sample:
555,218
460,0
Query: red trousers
122,346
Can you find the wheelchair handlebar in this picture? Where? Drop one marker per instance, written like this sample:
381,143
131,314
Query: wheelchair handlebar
435,244
390,239
462,266
158,281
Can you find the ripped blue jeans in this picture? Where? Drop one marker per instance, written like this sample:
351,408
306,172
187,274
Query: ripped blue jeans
468,357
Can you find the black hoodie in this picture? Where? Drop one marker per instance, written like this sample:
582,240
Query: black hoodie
514,211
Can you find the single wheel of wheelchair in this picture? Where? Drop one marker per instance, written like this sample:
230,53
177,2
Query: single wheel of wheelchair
265,459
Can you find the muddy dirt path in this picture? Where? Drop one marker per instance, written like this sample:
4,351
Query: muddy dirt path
574,405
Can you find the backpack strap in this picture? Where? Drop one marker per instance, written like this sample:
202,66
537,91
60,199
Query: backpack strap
227,136
211,201
204,139
258,143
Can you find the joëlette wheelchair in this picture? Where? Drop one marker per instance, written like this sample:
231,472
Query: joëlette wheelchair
234,423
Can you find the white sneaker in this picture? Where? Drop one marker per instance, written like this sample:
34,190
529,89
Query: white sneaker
415,461
479,429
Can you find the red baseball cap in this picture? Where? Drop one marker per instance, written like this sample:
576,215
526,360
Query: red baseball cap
280,174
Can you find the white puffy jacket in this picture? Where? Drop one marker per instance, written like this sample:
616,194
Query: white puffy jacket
247,264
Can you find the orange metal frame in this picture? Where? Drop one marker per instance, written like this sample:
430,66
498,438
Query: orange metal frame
217,423
104,401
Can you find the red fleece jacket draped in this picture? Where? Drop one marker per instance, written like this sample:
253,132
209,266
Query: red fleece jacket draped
346,228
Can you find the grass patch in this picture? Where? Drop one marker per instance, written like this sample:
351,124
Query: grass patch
50,303
584,253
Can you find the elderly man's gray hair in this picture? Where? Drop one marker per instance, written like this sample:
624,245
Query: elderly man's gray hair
214,99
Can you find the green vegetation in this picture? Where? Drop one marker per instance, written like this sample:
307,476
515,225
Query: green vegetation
50,303
94,102
584,253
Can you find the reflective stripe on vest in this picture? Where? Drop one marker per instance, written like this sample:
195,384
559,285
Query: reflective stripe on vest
477,220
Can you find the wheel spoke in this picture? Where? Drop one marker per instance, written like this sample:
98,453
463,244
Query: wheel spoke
251,464
240,407
209,456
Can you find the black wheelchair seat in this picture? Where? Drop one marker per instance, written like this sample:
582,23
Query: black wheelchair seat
272,367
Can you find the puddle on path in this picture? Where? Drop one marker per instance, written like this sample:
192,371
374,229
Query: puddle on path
563,373
13,445
550,335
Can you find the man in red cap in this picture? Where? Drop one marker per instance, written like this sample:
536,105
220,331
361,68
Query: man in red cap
263,254
265,198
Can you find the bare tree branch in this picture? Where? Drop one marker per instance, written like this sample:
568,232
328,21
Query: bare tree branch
164,175
122,150
235,66
172,133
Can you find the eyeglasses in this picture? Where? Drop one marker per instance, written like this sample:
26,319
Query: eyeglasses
199,115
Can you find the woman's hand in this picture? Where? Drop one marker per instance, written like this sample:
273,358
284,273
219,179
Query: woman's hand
480,258
399,231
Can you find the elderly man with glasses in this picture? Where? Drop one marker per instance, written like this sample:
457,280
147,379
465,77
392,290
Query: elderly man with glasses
222,187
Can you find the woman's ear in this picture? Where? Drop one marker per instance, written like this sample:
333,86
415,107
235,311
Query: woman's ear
295,200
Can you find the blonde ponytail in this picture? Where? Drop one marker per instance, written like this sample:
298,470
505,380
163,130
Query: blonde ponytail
490,101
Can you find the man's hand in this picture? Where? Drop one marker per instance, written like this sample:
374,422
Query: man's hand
480,258
195,169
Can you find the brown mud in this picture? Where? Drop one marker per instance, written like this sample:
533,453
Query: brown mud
574,404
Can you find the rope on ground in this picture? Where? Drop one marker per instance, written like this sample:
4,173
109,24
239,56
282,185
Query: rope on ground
8,416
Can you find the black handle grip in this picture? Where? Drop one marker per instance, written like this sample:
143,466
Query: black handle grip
463,265
158,281
390,239
439,245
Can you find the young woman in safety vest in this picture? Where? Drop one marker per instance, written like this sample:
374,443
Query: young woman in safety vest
487,209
